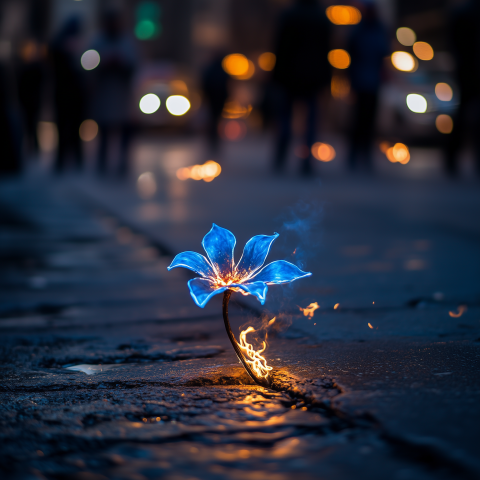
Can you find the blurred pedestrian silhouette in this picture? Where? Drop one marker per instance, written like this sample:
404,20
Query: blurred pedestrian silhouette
30,77
69,93
368,46
10,126
300,72
111,99
215,91
465,44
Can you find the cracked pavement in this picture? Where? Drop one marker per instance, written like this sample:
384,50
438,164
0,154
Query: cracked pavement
385,385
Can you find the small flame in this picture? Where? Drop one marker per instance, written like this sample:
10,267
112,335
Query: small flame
253,357
336,306
309,311
370,325
461,310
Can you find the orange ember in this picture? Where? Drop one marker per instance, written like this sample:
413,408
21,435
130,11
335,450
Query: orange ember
309,311
461,310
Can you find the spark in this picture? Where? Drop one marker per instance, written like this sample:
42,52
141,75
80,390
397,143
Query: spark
461,310
309,311
336,306
370,325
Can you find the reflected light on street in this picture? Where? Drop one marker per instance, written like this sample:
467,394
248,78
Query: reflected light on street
444,92
206,172
177,105
233,109
339,58
234,130
406,36
444,123
398,153
47,135
149,103
343,15
340,86
323,152
266,61
423,50
403,61
146,185
88,130
90,59
417,103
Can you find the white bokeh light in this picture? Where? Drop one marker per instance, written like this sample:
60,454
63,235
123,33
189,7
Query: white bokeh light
177,105
149,103
417,103
90,59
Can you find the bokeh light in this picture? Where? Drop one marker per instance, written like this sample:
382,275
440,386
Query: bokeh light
323,152
423,50
90,59
343,15
417,103
177,105
88,130
444,123
339,58
406,36
403,61
266,61
146,185
206,172
236,64
398,153
444,92
149,103
340,86
234,130
145,29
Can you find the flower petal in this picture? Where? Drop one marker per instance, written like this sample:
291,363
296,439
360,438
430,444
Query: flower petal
280,271
219,244
259,289
254,255
193,261
202,290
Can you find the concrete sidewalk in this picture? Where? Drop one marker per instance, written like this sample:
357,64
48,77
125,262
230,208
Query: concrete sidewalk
385,385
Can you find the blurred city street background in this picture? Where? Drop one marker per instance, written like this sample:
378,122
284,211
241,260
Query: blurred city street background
129,127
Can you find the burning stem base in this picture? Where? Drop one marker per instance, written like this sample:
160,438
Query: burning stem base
262,381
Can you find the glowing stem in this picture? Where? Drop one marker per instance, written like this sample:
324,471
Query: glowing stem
263,382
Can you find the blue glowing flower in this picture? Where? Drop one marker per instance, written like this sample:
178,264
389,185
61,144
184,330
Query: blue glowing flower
219,272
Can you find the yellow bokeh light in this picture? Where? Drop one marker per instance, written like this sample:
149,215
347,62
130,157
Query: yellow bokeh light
236,64
249,73
444,92
339,58
406,36
444,123
343,15
266,61
88,130
323,152
403,61
423,50
206,172
177,105
398,153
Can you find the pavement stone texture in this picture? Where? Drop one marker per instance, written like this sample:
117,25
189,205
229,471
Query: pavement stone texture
109,370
